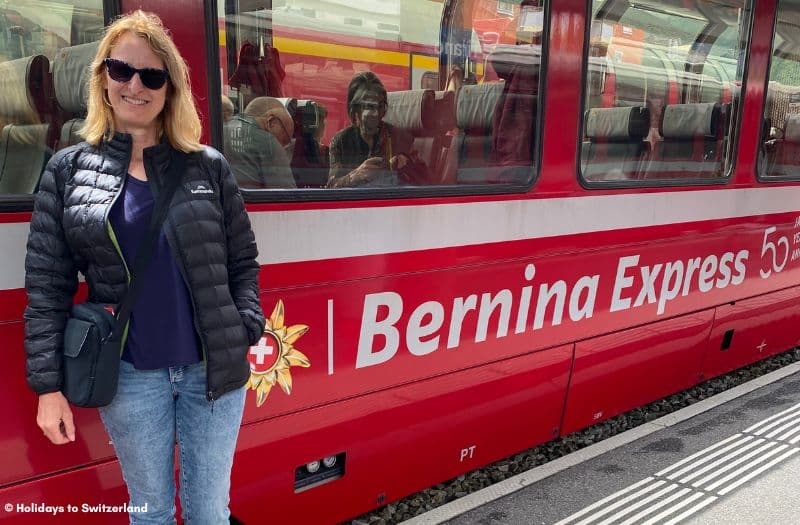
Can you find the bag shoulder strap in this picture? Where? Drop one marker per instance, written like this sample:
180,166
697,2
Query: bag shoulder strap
145,253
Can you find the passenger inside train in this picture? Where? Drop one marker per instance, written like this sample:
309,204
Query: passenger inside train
255,142
371,152
273,117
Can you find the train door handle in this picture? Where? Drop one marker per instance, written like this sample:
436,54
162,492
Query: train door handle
726,341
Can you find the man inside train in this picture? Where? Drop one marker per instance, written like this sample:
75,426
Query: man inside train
371,152
273,116
255,145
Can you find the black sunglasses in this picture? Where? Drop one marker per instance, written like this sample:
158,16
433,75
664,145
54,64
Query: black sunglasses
123,72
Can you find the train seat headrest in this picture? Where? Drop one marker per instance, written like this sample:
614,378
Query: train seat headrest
71,68
446,109
618,124
505,58
22,157
687,121
411,110
26,89
475,105
791,132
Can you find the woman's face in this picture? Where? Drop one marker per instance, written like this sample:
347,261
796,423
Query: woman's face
135,107
370,113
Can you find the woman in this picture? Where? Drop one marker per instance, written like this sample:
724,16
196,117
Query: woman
184,365
371,152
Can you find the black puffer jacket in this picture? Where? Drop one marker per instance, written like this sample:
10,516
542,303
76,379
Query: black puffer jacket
208,231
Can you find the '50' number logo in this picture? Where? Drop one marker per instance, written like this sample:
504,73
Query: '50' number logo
770,246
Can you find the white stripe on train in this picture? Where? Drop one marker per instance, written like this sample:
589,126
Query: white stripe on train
307,235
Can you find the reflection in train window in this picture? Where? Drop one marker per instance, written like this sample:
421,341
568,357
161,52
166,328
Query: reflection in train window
780,147
44,49
662,89
380,93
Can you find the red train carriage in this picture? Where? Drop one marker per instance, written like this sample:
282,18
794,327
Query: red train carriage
611,216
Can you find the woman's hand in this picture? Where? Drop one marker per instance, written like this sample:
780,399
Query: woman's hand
399,162
373,163
367,171
54,417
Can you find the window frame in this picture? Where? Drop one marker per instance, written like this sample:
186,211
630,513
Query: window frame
734,131
304,195
761,176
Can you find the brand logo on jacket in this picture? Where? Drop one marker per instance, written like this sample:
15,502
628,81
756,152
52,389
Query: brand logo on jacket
274,354
201,188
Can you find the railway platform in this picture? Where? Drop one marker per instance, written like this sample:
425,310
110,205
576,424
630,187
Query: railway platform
730,459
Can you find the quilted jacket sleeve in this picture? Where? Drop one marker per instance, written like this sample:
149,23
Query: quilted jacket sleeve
243,267
51,279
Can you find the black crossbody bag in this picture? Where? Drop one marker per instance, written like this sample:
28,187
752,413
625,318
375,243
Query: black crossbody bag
93,334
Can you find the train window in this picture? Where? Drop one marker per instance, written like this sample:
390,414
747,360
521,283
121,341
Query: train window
378,94
44,48
780,143
662,89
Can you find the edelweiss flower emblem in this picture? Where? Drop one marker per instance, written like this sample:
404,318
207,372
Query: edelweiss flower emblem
274,354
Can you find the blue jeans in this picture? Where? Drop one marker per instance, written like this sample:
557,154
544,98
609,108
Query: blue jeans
151,409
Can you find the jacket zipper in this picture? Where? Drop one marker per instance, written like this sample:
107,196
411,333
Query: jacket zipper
210,393
182,269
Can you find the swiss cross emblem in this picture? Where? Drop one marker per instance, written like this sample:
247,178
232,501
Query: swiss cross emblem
264,354
274,355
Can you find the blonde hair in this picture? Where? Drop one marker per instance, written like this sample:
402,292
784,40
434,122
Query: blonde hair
179,118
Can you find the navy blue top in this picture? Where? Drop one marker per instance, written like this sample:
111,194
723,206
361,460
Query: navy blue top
161,332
